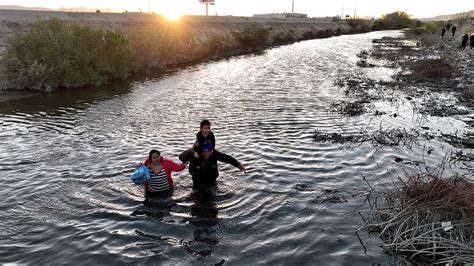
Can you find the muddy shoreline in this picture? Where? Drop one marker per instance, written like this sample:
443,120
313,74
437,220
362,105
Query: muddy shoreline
434,75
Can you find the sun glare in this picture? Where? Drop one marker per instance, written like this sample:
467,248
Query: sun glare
171,10
172,17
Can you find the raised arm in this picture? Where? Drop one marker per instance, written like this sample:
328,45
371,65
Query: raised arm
175,167
222,157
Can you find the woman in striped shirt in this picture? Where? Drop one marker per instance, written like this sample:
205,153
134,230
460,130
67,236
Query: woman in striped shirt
160,172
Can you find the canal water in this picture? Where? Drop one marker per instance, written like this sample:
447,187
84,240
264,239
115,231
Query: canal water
65,159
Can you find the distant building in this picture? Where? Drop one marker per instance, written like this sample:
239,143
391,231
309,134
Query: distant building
281,15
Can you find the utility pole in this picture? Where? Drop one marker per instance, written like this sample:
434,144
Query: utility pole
149,6
292,6
342,15
355,8
207,2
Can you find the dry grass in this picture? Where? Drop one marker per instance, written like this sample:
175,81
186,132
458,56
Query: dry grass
432,69
349,108
467,95
469,29
428,218
382,137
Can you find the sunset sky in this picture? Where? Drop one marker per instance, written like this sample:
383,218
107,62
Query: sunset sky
314,8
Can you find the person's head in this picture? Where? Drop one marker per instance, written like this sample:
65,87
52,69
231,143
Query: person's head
205,127
154,156
206,150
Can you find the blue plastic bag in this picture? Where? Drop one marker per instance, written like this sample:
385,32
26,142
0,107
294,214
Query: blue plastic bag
140,175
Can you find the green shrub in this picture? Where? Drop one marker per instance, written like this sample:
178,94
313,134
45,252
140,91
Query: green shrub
253,36
359,25
283,38
162,44
378,25
397,20
54,54
433,27
220,44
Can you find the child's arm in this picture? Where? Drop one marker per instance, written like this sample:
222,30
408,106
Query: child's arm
196,143
195,146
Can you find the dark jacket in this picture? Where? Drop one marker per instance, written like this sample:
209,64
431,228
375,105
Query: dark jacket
205,172
464,40
201,140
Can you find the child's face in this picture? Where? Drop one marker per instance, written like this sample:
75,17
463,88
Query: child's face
205,130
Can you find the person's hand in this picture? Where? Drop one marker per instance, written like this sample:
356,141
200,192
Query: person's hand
196,155
242,168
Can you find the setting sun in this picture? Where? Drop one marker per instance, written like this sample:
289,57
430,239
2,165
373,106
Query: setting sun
171,16
170,12
174,10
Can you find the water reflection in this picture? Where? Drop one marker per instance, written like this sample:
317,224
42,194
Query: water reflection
157,205
201,213
264,111
53,103
204,213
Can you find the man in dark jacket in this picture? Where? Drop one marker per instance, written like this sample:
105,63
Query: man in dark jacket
204,169
464,40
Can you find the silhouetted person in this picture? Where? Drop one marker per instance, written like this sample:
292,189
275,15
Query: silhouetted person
448,26
471,41
443,31
453,30
464,40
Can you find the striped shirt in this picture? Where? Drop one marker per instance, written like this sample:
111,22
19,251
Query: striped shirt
158,182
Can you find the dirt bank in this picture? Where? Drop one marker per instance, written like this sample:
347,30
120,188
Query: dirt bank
426,217
435,74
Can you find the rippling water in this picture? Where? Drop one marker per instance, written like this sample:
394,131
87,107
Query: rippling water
65,160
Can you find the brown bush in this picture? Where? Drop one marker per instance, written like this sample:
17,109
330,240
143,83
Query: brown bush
428,218
432,69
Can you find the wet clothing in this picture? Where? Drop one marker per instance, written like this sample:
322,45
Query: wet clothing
201,140
158,183
464,40
205,172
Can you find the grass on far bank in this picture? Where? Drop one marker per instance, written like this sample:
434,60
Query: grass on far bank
54,53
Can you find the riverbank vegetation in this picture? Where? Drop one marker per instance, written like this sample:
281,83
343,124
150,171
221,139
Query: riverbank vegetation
53,53
435,74
426,218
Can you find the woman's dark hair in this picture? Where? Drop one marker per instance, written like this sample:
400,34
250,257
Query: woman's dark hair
205,122
151,153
